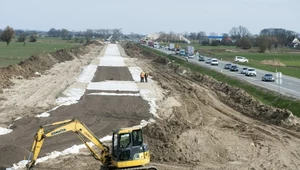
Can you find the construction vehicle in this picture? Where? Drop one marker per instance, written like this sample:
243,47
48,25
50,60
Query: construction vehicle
128,149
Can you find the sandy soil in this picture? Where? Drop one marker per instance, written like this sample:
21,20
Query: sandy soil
203,124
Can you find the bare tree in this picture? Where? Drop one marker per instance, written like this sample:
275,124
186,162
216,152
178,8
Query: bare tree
88,35
33,37
284,37
201,35
193,36
7,34
64,33
213,34
239,32
226,40
22,38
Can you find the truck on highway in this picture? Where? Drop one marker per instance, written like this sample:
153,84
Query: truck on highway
156,45
171,47
189,50
150,43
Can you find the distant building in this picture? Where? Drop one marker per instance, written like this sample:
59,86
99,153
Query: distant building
214,38
151,37
296,42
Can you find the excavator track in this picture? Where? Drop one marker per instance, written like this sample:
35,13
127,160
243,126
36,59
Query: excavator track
141,168
135,168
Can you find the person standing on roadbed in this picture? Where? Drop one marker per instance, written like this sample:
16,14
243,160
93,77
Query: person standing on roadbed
146,77
142,75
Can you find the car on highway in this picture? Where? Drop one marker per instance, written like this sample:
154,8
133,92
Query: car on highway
268,77
244,70
190,56
177,51
182,52
227,66
234,68
250,72
208,61
214,62
240,59
201,58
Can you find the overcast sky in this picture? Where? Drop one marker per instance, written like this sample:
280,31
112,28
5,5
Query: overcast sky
150,16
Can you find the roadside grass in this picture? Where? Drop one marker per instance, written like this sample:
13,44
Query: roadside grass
16,51
265,96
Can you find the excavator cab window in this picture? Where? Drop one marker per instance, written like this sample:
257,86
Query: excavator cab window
125,140
137,137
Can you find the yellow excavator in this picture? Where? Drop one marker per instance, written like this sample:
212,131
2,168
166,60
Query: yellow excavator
128,149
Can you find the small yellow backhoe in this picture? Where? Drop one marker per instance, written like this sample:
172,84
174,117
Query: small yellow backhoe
128,149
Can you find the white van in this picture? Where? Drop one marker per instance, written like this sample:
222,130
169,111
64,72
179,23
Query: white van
156,45
241,59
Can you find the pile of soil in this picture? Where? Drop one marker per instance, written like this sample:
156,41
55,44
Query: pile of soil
272,63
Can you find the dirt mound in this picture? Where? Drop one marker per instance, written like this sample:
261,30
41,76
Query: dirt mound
272,62
40,63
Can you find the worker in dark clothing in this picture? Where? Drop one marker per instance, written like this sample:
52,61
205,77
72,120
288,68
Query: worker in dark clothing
146,77
142,75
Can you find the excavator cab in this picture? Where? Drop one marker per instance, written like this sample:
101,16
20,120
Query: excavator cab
128,148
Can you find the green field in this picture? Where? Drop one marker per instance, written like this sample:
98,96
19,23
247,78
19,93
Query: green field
287,56
16,51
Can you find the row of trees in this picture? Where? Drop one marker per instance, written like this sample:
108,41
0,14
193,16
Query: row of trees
88,34
9,33
239,36
79,36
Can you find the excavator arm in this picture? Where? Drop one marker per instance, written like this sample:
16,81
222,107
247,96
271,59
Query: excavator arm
72,125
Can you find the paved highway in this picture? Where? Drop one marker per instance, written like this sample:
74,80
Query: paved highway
290,86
